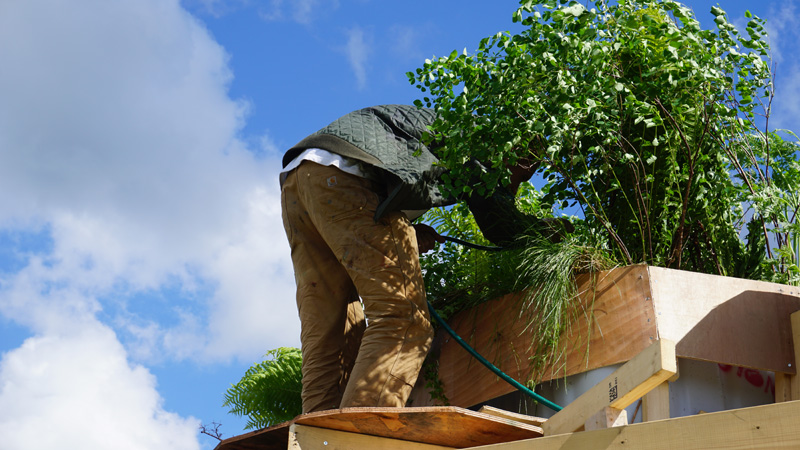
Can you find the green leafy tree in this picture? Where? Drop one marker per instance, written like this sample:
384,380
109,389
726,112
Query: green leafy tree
634,114
269,392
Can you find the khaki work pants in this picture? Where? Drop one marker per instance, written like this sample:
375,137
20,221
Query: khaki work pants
339,253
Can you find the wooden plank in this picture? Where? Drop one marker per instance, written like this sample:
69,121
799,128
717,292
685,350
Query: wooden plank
446,426
303,437
530,420
655,404
645,371
795,380
787,386
271,438
621,323
783,387
769,426
606,418
726,320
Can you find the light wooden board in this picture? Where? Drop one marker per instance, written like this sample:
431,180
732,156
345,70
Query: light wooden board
530,420
653,366
774,426
606,418
655,404
622,325
726,320
794,380
787,386
446,426
302,437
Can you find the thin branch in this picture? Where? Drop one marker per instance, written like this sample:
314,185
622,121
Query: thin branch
608,228
212,430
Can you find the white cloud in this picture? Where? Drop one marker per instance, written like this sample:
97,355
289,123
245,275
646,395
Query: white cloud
300,11
124,141
79,391
119,139
783,25
358,51
405,41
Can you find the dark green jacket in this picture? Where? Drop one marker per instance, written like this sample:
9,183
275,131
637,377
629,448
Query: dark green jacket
388,138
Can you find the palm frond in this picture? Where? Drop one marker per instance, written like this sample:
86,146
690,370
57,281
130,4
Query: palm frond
269,392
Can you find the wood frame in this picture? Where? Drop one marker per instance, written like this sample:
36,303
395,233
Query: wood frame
787,386
769,426
712,318
646,371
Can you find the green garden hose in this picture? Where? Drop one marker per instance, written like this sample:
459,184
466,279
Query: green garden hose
491,366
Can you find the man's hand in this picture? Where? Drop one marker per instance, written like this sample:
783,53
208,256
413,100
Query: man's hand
427,237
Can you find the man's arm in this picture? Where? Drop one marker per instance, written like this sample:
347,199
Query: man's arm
427,237
503,224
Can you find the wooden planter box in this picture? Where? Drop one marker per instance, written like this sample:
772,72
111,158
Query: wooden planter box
712,318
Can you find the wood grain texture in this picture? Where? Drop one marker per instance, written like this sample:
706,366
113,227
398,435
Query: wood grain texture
302,437
530,420
726,320
619,323
445,426
713,318
606,418
270,438
655,404
647,370
765,427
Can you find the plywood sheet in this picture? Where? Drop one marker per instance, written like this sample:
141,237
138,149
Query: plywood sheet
726,320
712,318
445,426
620,325
303,437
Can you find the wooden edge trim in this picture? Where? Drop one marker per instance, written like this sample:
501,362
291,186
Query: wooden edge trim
304,437
522,418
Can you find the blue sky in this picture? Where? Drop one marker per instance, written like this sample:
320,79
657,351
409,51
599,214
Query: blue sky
143,264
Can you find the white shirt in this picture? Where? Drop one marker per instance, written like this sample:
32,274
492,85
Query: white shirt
326,158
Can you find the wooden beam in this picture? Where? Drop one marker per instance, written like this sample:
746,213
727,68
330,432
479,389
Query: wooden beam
787,385
508,415
769,426
606,418
302,437
783,386
795,379
655,404
653,366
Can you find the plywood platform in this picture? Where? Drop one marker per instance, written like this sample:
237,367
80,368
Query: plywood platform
774,426
450,427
